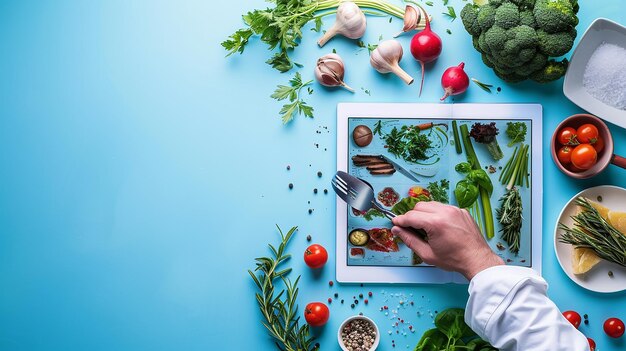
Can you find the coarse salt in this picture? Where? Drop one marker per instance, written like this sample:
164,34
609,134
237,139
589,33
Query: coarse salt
605,75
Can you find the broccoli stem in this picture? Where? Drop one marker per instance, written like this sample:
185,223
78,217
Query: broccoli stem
494,150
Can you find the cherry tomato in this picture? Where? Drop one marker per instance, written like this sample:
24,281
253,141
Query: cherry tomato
584,156
315,256
614,327
565,155
316,314
592,344
587,134
599,144
573,317
567,136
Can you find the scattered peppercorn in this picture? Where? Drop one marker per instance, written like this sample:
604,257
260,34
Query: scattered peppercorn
319,174
366,301
330,300
325,191
310,210
611,274
288,167
585,316
352,305
315,191
586,321
336,295
369,294
499,89
330,283
360,296
308,237
599,198
341,300
290,185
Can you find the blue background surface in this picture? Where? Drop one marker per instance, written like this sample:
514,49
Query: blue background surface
141,173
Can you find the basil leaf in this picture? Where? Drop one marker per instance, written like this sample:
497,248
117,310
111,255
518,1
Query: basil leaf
466,193
432,340
480,177
463,167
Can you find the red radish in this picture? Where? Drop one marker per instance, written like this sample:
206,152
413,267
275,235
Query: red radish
425,46
454,81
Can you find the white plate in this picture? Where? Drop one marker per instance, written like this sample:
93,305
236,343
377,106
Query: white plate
601,30
597,279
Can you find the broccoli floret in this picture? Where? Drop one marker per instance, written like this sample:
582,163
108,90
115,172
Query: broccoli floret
556,44
507,16
555,15
517,37
552,71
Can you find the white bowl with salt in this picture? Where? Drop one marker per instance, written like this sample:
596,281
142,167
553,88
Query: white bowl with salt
596,76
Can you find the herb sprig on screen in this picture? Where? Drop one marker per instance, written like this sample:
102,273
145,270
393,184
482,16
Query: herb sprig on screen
296,104
280,310
516,131
408,143
439,191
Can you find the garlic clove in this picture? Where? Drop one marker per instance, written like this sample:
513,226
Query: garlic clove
329,71
412,18
350,22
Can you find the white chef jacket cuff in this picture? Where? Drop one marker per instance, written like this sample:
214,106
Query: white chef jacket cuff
490,288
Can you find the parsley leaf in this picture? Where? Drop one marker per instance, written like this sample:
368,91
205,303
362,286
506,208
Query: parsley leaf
451,13
280,61
292,92
237,41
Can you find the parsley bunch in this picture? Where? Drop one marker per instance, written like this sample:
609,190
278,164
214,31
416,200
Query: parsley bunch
408,143
280,26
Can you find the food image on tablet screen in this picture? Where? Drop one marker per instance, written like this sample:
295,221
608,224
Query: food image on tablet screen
408,160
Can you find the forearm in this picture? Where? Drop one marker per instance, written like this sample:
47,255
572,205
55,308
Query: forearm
508,307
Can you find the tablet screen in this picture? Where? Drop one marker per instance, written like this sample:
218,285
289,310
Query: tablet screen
410,160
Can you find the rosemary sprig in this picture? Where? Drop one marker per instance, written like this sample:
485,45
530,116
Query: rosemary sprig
510,217
592,231
280,309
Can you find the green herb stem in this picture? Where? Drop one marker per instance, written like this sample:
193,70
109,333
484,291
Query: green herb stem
457,139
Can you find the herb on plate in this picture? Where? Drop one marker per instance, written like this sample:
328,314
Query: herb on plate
516,131
292,92
279,309
439,191
280,26
451,333
509,215
591,230
408,143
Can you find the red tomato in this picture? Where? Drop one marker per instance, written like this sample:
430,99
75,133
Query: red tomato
316,314
614,327
587,134
565,155
567,136
573,317
592,344
584,156
315,256
599,144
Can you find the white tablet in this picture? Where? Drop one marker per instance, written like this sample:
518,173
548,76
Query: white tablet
408,153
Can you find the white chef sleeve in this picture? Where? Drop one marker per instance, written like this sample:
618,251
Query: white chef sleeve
509,308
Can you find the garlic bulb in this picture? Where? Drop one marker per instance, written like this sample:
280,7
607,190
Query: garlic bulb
350,23
385,59
329,71
412,18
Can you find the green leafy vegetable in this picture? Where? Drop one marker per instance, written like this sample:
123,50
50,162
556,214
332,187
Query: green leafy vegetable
280,26
407,204
472,159
483,86
372,213
377,128
451,333
516,131
408,143
280,309
485,133
296,104
439,191
451,13
466,193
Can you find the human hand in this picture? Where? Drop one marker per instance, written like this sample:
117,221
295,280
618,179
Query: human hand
454,241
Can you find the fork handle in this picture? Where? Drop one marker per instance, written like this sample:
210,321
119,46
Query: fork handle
421,233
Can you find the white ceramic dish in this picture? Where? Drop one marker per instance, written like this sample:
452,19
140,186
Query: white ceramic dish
601,30
376,340
597,279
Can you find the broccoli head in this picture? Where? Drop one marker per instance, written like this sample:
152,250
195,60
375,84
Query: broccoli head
517,37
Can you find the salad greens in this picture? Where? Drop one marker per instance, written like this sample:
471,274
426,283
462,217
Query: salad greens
516,131
451,333
439,191
407,204
408,143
